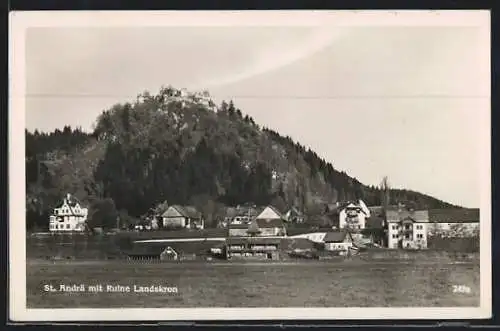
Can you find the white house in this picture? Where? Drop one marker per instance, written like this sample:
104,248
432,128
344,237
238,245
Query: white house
339,241
70,216
182,217
407,228
353,215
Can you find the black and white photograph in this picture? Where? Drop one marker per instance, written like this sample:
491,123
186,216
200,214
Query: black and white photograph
249,165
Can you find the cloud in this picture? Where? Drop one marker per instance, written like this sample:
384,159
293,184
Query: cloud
278,55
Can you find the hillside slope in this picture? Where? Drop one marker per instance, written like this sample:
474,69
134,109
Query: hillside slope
180,147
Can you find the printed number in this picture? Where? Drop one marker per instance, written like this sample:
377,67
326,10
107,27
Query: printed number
461,289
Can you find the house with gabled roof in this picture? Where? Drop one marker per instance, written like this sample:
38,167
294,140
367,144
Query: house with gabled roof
69,216
353,215
270,212
293,215
338,241
177,216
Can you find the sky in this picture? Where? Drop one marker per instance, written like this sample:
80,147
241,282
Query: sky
405,102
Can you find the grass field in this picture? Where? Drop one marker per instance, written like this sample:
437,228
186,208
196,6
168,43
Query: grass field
292,284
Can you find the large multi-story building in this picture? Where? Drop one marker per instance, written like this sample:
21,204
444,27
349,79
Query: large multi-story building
353,216
413,228
407,228
69,216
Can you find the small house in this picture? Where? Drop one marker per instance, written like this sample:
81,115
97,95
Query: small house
182,217
294,216
338,241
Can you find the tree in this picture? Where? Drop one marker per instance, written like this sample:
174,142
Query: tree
279,203
103,214
207,206
253,229
160,207
385,192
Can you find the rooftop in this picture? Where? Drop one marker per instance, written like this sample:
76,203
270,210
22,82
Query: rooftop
455,215
335,236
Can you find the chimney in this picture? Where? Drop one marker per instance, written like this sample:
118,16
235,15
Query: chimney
68,197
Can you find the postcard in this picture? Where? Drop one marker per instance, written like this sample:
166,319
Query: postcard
249,165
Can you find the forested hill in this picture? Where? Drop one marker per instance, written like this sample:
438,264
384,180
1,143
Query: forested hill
180,148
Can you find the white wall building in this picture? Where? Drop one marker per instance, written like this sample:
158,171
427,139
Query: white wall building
70,216
407,229
353,216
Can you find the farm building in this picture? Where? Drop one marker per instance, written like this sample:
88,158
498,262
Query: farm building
338,241
453,222
253,248
151,252
182,217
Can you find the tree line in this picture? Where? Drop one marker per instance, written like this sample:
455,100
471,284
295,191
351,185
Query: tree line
154,150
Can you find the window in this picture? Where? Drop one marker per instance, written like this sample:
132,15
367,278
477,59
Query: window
394,236
407,236
420,227
394,227
60,226
420,236
67,226
52,226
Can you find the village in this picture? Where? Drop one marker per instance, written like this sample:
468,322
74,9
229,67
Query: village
266,233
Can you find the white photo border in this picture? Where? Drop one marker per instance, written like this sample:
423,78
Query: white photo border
20,21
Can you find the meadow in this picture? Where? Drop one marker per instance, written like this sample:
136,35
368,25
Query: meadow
356,283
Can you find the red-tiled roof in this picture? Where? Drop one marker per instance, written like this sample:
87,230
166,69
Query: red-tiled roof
454,215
